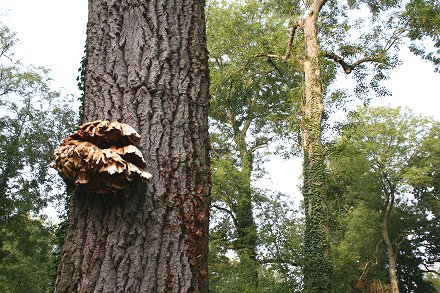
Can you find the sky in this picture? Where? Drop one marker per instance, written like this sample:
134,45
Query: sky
52,34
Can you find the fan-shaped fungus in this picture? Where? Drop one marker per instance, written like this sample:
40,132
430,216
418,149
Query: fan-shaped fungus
102,157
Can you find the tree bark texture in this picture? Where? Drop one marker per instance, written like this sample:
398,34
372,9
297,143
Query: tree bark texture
316,268
147,67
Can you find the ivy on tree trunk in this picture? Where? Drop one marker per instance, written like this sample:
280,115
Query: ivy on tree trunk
246,245
317,267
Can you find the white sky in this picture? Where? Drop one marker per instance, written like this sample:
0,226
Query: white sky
52,34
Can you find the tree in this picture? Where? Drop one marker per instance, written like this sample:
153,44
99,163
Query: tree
146,67
424,180
33,119
372,165
326,35
27,261
31,114
251,103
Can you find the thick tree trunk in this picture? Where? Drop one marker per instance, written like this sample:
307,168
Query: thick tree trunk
147,67
316,268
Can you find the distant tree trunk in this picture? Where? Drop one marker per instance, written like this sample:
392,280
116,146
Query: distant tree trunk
391,249
316,268
246,244
147,67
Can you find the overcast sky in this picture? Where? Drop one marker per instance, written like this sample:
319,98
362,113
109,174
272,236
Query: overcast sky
52,34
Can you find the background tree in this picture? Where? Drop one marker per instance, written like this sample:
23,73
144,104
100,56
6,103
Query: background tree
360,37
424,181
371,169
33,119
146,66
252,101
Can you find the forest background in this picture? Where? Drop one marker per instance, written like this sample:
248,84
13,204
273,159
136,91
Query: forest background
52,34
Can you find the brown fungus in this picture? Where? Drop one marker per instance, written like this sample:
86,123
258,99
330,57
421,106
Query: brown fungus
102,157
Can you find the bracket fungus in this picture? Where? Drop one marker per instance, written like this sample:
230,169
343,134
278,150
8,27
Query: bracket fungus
102,157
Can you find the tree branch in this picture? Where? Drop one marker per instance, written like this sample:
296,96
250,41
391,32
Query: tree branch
269,55
428,270
274,260
228,212
295,26
348,68
262,143
319,4
396,36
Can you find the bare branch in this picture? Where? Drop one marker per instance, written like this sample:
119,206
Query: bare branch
428,270
259,146
228,212
295,26
276,260
348,68
398,33
269,55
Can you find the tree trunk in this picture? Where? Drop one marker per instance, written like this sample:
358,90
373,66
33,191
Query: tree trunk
391,250
247,230
316,268
246,245
147,67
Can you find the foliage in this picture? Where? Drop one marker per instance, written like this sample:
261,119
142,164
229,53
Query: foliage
31,115
81,79
363,38
250,93
377,149
251,103
361,41
279,249
422,19
26,255
281,230
33,120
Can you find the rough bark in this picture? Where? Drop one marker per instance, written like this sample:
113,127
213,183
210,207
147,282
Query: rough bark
146,67
316,268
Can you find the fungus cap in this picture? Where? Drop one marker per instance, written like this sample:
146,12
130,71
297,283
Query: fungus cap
101,156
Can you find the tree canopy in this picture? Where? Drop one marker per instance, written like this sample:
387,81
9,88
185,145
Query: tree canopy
372,172
33,120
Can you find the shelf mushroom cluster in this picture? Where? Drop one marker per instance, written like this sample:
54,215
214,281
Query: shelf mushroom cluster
102,157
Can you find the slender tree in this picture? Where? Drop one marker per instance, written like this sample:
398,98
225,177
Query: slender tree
373,164
360,37
250,108
252,100
146,66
